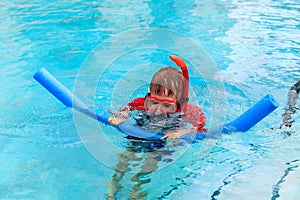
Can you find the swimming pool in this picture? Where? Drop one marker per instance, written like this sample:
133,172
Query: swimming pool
254,47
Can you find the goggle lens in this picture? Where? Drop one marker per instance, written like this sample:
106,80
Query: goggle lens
152,104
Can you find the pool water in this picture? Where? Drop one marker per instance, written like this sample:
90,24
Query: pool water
106,52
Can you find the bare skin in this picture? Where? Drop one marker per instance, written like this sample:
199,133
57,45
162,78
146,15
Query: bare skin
177,134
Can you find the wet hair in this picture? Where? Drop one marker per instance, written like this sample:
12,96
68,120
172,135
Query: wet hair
167,82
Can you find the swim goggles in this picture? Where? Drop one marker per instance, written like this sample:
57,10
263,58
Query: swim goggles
155,104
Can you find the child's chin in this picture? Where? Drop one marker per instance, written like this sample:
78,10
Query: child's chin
156,115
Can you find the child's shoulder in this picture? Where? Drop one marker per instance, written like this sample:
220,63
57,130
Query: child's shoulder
192,108
137,104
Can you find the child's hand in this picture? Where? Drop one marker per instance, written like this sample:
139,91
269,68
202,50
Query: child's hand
172,135
179,133
118,118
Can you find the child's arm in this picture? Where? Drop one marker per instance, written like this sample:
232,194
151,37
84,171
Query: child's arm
177,134
195,116
119,117
124,113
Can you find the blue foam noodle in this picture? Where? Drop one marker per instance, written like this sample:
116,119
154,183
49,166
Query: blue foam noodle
138,132
58,90
253,115
243,123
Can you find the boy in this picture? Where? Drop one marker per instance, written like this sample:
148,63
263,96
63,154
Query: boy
168,95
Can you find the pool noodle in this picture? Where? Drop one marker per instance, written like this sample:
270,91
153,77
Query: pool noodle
243,123
253,115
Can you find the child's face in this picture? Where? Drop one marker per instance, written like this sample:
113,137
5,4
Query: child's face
156,104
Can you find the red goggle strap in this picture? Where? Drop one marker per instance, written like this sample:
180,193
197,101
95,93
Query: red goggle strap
159,100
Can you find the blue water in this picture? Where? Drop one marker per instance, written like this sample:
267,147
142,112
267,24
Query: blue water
240,50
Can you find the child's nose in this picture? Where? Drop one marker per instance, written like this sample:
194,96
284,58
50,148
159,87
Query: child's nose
159,109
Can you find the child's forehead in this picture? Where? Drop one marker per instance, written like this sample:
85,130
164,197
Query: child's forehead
171,89
164,97
163,93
